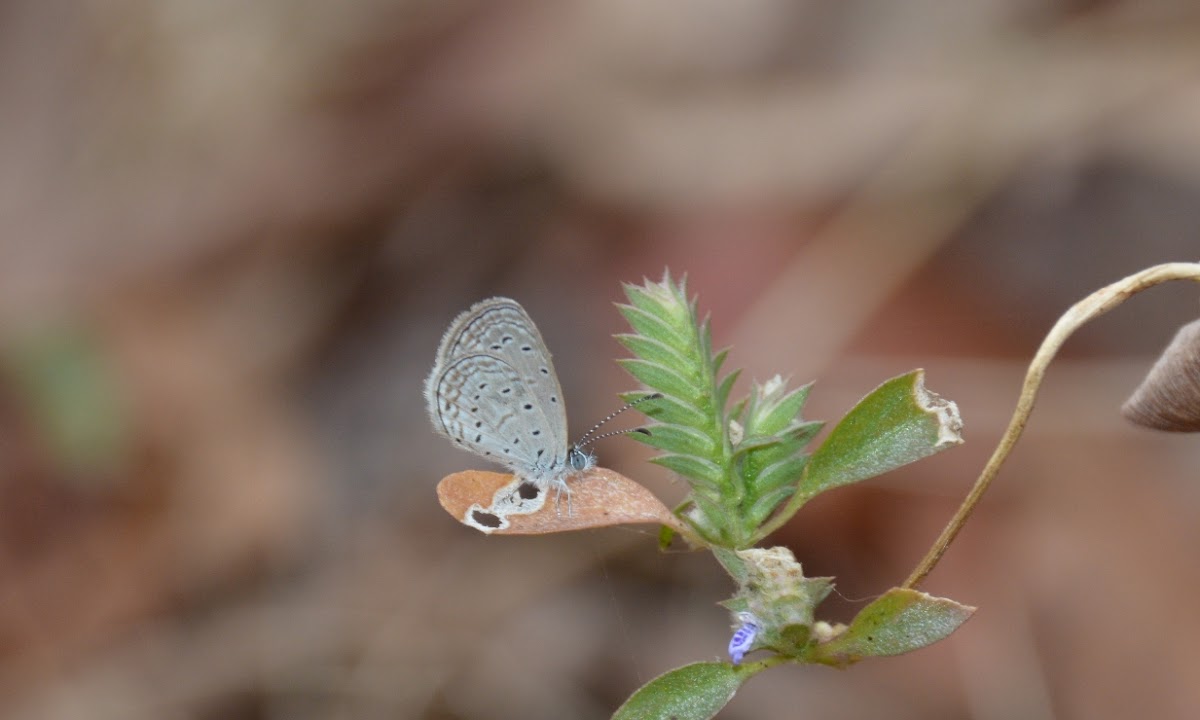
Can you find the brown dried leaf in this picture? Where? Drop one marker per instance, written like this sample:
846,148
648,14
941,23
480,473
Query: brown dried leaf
1169,398
498,503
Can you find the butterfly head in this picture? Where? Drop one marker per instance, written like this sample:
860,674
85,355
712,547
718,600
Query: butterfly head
579,459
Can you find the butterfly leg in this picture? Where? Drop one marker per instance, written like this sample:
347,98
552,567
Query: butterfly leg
560,487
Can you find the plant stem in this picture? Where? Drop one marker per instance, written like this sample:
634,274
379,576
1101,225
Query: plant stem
1091,307
768,662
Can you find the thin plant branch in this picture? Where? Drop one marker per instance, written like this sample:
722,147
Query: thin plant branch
1091,307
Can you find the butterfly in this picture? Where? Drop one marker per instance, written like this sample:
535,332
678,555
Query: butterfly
493,391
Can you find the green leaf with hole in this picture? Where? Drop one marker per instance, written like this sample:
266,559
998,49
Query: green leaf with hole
692,692
901,621
897,423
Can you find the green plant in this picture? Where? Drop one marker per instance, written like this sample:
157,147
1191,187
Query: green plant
748,471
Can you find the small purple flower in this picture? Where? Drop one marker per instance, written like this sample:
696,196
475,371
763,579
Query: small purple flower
743,638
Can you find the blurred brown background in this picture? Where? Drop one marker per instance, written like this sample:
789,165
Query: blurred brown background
234,232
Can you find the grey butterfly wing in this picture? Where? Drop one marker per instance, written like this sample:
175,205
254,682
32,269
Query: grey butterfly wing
499,329
484,406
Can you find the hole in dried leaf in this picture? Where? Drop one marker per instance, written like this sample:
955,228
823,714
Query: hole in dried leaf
486,519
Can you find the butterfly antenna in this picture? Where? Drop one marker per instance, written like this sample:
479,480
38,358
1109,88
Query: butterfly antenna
584,441
598,438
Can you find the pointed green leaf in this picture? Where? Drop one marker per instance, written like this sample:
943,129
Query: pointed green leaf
901,621
733,564
805,431
897,423
770,454
705,334
766,503
653,327
726,387
681,286
664,300
756,442
652,303
719,360
692,467
678,439
670,410
654,351
780,474
664,379
707,516
736,604
692,692
774,416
